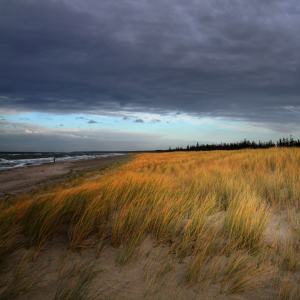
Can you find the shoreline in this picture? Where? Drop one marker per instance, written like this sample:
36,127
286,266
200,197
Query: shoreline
24,179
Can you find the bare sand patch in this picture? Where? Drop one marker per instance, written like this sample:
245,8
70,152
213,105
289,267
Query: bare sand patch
21,180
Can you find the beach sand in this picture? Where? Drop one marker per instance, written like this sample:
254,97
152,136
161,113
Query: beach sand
133,281
21,180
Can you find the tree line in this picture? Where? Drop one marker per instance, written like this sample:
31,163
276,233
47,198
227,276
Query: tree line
245,144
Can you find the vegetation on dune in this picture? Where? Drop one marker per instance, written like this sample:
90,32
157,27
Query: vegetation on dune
211,208
244,144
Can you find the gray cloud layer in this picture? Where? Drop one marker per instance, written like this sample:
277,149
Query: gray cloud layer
232,59
30,137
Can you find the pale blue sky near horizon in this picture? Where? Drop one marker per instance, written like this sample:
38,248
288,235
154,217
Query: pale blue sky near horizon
164,131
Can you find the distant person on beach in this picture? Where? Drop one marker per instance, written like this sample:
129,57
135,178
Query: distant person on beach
54,159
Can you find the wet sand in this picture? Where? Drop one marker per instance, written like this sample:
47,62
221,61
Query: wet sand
20,180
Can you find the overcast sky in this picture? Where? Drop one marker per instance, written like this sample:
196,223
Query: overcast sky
147,74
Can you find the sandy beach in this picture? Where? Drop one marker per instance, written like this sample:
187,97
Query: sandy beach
20,180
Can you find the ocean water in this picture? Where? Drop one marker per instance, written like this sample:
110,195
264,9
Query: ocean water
11,160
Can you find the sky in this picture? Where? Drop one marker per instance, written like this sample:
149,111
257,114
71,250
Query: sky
102,75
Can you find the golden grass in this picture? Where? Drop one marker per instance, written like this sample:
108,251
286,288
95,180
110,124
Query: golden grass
209,206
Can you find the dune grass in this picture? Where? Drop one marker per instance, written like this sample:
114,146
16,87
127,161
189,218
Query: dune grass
76,282
18,281
209,207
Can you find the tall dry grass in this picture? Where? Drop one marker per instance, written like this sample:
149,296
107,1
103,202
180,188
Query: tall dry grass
199,204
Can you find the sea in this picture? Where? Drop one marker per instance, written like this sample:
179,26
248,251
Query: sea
11,160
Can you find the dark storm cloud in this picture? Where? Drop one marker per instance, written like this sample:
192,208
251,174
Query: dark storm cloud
231,59
138,121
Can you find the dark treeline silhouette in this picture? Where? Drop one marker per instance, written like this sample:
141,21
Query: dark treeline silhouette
284,142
